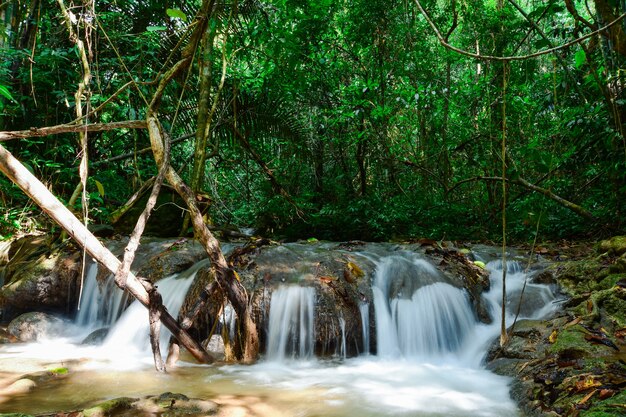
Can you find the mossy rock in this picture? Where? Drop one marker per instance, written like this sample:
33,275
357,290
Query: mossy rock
15,415
580,276
40,276
614,246
35,325
571,342
174,405
110,407
611,407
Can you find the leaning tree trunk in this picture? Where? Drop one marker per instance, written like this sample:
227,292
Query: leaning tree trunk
38,192
224,275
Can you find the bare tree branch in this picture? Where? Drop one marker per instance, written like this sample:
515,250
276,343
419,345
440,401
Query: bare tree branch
443,42
71,128
526,184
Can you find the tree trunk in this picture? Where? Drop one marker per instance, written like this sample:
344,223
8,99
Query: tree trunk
224,274
19,175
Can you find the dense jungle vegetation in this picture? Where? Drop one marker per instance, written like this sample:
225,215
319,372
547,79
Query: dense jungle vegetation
337,119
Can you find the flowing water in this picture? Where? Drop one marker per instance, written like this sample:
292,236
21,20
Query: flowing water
428,361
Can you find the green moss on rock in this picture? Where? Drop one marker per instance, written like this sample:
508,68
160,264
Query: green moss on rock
571,342
611,407
615,246
110,408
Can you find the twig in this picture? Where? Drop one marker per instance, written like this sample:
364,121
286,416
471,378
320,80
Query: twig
443,42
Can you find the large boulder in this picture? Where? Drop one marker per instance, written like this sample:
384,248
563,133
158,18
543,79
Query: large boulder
167,404
44,275
39,277
33,326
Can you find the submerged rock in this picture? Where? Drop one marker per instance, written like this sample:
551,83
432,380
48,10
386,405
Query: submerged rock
166,404
110,407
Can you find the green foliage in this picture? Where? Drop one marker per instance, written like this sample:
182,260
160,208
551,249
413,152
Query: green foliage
373,129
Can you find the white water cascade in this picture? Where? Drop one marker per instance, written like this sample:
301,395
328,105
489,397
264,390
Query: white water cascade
417,315
101,304
428,362
131,331
291,323
364,309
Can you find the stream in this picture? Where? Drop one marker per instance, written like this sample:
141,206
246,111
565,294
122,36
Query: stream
429,345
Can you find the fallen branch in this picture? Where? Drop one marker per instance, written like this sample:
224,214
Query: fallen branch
70,128
38,192
524,183
139,152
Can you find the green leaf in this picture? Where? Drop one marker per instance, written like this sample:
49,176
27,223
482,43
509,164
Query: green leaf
5,92
579,58
100,188
176,13
156,28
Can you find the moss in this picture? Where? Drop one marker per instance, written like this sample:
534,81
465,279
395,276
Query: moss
571,341
614,246
611,407
58,371
110,408
609,281
15,415
581,276
613,302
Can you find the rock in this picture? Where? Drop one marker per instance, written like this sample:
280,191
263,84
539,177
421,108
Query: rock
30,327
21,386
110,408
39,277
215,347
173,405
614,246
543,277
96,337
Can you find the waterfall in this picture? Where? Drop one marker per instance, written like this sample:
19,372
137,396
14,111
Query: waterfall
416,313
132,330
537,300
290,332
342,348
364,308
101,305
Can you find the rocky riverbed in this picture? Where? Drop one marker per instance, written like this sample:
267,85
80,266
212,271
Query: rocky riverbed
571,364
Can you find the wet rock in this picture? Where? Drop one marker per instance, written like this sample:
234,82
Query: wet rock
524,341
33,326
215,346
173,257
545,277
96,337
19,387
39,276
110,408
174,405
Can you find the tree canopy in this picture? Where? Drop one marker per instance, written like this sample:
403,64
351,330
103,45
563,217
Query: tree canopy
338,119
